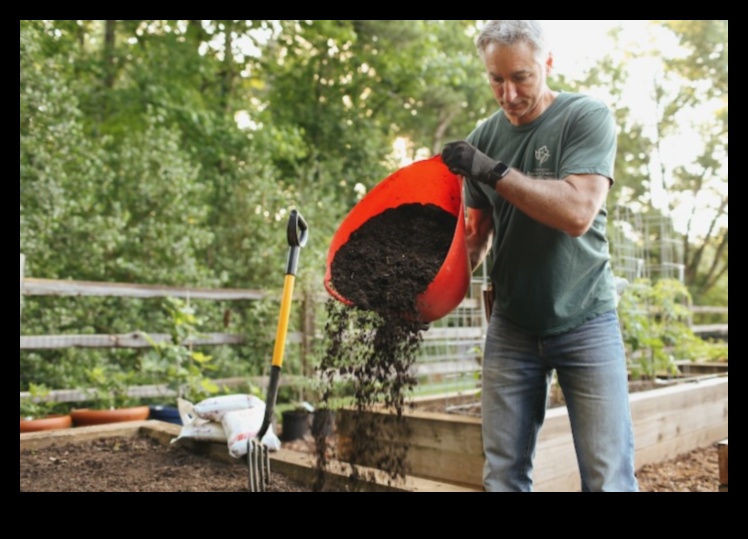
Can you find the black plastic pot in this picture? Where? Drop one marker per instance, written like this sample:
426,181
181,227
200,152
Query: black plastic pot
295,425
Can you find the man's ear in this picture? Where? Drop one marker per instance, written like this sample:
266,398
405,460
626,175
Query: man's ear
549,63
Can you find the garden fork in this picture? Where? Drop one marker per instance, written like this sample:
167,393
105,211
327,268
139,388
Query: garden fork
258,457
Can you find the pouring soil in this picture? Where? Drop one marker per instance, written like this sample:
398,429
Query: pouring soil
382,269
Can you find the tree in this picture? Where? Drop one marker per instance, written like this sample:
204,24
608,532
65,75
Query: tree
134,167
656,176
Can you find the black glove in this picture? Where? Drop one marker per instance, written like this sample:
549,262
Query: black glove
466,160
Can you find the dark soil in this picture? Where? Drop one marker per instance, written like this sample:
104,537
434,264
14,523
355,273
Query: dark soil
137,464
371,347
143,465
393,257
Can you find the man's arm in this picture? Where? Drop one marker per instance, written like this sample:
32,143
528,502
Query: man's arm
569,205
478,234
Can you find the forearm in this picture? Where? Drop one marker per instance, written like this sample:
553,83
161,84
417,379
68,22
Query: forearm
477,251
478,235
569,204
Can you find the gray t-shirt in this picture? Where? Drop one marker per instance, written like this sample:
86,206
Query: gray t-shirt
546,281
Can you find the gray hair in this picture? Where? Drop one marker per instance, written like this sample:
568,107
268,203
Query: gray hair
512,32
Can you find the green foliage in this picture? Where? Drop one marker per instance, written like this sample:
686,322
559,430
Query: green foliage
133,167
37,404
688,100
109,388
656,331
174,362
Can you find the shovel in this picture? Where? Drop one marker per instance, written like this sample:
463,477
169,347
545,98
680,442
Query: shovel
258,458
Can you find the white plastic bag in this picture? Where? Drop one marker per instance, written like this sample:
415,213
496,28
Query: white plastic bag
241,426
213,408
233,419
197,428
207,431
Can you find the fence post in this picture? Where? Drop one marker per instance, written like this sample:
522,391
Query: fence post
307,331
23,263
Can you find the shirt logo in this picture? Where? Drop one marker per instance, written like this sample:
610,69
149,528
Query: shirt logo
542,154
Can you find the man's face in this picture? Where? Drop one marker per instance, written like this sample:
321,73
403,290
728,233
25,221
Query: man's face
518,80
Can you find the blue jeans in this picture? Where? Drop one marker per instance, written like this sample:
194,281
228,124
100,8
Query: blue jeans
590,363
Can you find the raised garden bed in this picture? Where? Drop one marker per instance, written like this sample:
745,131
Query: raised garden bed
668,422
138,457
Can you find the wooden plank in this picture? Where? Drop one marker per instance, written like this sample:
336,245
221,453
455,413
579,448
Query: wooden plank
425,400
161,390
455,333
23,262
701,367
160,431
447,432
722,449
705,309
555,466
53,287
308,330
447,367
36,440
645,403
673,424
667,422
670,448
302,466
436,465
444,447
566,480
134,339
710,329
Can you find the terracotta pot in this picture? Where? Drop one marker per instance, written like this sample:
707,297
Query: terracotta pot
51,422
85,416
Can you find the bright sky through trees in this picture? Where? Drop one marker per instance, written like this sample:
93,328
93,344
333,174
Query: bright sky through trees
577,45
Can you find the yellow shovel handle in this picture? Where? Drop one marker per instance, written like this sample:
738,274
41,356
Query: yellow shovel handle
285,312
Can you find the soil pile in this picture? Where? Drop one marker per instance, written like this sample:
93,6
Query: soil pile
393,257
371,347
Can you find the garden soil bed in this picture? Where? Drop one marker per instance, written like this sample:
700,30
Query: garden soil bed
138,457
143,464
134,464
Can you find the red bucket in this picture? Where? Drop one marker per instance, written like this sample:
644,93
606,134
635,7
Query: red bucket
423,182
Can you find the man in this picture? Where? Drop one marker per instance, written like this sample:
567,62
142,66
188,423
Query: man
537,175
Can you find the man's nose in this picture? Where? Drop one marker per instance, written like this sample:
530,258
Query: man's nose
510,92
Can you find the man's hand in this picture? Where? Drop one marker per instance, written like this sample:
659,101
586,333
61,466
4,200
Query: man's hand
466,160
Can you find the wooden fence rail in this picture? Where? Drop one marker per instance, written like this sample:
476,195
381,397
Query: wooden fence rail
457,337
52,287
456,343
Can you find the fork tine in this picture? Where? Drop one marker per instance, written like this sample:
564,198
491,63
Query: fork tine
265,465
258,464
260,451
252,466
